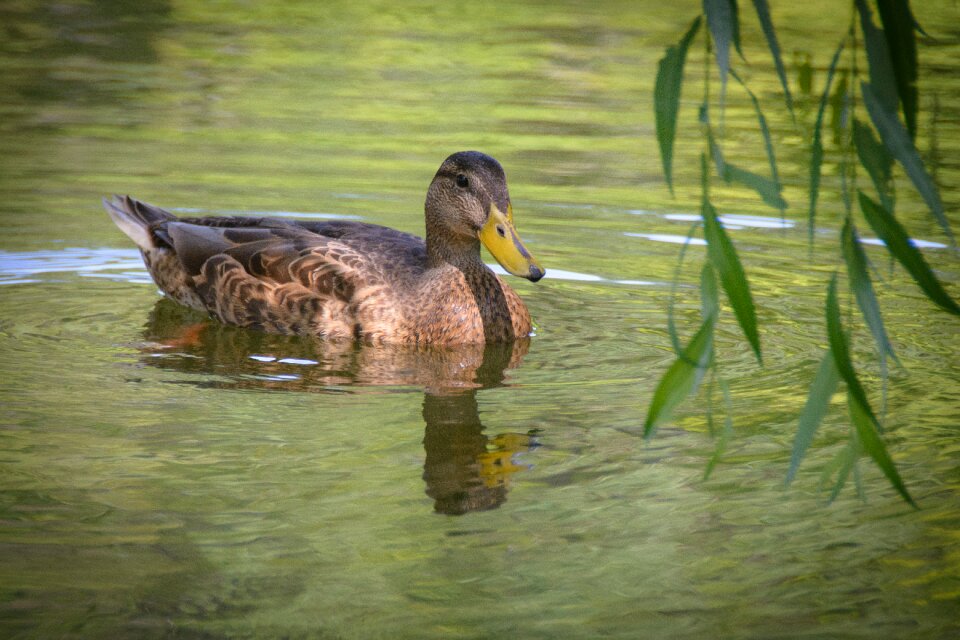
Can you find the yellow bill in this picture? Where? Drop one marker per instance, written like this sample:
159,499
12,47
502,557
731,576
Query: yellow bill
501,239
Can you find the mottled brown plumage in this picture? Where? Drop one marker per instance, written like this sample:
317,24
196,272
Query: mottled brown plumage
342,279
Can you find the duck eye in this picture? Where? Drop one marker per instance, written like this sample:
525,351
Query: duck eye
462,181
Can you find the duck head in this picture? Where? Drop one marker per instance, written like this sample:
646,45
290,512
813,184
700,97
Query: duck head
467,204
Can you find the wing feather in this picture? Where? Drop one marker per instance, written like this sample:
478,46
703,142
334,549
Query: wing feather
276,274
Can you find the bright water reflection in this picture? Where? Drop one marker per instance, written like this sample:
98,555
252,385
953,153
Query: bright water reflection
464,470
166,476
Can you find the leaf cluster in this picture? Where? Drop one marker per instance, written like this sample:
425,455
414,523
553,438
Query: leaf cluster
885,138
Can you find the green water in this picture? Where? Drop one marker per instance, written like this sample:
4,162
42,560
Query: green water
161,475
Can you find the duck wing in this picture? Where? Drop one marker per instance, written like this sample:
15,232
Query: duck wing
280,275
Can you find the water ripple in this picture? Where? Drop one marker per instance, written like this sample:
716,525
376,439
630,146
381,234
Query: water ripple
22,267
124,265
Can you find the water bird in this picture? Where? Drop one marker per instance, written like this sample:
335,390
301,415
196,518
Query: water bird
343,279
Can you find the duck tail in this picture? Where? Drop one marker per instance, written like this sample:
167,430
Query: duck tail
136,219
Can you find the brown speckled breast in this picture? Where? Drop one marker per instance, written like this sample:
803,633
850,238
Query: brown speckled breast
468,307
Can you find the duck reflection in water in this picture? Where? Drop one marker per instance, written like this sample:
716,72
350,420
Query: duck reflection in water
465,470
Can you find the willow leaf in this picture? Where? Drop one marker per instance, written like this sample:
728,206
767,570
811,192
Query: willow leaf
724,258
836,464
671,322
766,188
818,400
681,378
841,351
865,425
716,153
666,97
816,151
724,435
763,14
845,462
899,29
735,12
896,139
776,201
709,298
876,160
898,243
724,25
862,287
857,476
709,397
861,414
816,161
882,77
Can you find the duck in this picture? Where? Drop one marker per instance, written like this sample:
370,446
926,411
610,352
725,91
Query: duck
346,279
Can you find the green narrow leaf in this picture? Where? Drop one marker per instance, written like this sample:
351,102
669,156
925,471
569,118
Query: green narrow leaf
681,378
861,414
898,243
725,434
716,153
666,97
841,350
766,188
818,400
916,25
896,139
836,464
724,258
816,151
671,323
862,287
846,172
816,161
704,178
882,77
899,29
724,25
857,476
876,160
709,395
735,13
846,461
859,275
709,298
775,200
763,14
865,424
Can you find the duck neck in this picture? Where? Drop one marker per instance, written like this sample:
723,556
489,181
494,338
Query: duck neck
462,252
465,255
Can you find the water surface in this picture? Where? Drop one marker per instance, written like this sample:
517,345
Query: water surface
164,475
